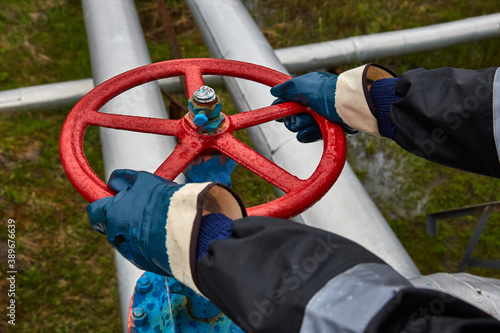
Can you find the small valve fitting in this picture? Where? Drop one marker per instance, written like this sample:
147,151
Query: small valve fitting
205,108
200,119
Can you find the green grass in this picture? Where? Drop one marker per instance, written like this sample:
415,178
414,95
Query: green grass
66,279
64,268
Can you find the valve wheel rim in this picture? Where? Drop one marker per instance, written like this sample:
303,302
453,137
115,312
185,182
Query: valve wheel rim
300,193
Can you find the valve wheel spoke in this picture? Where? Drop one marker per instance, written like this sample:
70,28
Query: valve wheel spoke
184,153
133,123
258,164
263,115
194,79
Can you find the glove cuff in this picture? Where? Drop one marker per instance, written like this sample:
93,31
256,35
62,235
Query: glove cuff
183,222
352,99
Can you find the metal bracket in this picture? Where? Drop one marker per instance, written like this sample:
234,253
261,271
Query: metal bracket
485,209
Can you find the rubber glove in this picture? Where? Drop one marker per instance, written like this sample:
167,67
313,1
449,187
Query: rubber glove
344,99
154,222
317,91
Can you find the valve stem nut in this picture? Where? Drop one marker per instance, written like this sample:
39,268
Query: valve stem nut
204,94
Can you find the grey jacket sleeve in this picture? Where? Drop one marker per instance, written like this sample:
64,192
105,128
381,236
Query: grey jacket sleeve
275,275
450,116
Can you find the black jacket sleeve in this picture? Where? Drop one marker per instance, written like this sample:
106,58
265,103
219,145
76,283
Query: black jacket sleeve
450,116
274,275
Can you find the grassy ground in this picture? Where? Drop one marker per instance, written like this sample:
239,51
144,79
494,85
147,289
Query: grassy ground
66,280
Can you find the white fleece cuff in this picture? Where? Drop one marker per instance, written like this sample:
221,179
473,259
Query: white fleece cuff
352,99
183,221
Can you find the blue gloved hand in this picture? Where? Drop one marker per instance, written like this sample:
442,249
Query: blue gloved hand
344,99
317,91
154,222
134,219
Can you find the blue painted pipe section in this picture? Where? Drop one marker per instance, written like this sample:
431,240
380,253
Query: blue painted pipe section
176,308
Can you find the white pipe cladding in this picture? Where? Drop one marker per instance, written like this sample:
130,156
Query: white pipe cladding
117,44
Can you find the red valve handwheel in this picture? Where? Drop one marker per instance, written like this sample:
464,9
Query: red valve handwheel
300,194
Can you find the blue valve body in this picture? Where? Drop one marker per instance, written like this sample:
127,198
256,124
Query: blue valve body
206,111
163,309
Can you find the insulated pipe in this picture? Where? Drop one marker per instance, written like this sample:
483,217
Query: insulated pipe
346,209
67,94
117,44
389,44
45,96
296,59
